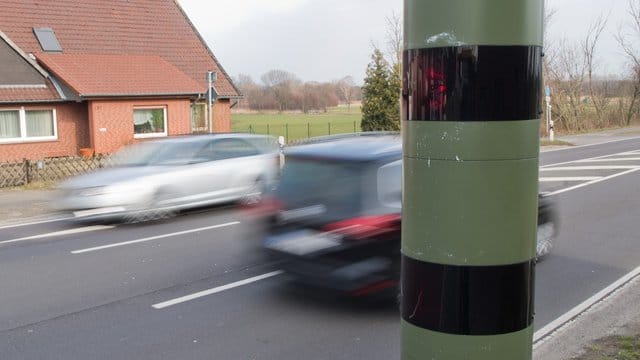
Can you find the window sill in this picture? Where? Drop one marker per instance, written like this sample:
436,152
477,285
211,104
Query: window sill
28,140
146,136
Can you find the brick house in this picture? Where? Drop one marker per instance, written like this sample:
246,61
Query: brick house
100,74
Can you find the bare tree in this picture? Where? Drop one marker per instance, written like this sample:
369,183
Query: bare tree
394,38
281,84
598,98
566,71
628,42
346,87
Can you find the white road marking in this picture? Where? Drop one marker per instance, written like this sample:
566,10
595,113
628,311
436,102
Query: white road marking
218,289
151,238
584,306
582,160
608,159
9,226
591,182
603,167
570,178
59,233
588,145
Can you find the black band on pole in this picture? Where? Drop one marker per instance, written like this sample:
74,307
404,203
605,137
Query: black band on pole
467,300
472,83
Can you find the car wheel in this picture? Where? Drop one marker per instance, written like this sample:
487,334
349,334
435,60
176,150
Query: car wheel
544,242
254,193
155,209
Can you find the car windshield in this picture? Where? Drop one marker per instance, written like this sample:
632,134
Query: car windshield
157,153
334,186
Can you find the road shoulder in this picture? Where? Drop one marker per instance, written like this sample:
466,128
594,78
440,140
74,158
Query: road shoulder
615,315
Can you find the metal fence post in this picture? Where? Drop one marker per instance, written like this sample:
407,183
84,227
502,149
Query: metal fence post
308,130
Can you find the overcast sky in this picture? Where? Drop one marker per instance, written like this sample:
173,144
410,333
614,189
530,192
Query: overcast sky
329,39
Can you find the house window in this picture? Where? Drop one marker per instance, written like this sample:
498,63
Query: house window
22,125
149,122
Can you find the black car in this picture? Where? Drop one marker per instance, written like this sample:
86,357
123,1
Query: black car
336,215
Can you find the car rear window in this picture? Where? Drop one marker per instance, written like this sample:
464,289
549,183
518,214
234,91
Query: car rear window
333,186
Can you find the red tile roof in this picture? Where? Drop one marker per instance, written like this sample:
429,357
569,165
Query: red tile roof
19,94
119,75
117,27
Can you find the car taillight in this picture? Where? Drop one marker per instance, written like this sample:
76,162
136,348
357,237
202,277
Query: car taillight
373,288
365,226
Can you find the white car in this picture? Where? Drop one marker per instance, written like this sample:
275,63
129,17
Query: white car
155,179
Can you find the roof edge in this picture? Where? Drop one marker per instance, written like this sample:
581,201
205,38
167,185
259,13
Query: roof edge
187,94
215,59
33,62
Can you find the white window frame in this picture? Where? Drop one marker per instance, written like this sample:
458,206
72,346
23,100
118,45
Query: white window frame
23,127
156,134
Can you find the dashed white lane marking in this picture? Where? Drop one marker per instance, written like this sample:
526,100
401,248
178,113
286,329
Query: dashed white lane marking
59,233
603,167
570,178
584,306
151,238
592,182
608,159
218,289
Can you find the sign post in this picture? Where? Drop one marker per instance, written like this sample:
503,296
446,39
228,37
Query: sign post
547,100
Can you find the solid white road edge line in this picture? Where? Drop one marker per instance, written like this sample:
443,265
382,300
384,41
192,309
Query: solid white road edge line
218,289
591,182
60,233
588,145
151,238
584,306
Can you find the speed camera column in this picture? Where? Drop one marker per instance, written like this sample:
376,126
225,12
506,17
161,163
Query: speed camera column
471,101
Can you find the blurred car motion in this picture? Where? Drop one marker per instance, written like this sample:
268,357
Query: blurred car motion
336,215
155,179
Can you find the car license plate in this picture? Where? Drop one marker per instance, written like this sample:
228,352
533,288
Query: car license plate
303,242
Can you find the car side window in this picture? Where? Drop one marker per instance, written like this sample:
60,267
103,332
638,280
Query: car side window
390,184
232,148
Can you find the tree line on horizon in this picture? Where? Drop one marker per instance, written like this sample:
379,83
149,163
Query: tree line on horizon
580,99
280,90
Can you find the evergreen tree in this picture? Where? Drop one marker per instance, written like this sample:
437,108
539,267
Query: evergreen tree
381,95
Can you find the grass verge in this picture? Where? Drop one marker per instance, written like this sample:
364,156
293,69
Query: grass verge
546,142
616,347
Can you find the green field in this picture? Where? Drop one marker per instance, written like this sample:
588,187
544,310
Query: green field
296,126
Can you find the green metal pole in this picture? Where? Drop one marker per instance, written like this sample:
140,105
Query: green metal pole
470,108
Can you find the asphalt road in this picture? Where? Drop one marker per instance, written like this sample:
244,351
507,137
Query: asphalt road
73,292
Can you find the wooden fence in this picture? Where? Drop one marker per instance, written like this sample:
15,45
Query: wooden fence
52,169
